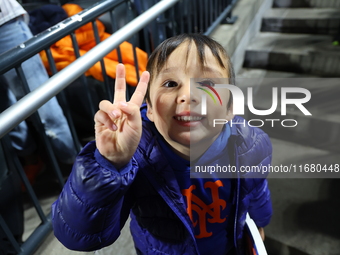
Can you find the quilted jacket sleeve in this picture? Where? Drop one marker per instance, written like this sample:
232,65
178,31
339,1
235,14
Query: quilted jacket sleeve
87,214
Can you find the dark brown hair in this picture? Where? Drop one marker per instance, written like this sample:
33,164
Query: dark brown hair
160,55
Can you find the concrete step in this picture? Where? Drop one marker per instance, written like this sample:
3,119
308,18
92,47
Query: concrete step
306,210
320,130
307,3
298,53
302,20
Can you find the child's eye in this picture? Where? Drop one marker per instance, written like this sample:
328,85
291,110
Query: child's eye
206,83
170,84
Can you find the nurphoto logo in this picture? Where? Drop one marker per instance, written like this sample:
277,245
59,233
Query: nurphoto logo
239,100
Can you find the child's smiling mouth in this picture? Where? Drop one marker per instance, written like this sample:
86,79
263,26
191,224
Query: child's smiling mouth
188,118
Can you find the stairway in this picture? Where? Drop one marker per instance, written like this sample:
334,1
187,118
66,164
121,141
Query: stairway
294,49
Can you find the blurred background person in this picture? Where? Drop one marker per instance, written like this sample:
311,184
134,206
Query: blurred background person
14,30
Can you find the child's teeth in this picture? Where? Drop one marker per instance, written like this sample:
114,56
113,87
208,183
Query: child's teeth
188,118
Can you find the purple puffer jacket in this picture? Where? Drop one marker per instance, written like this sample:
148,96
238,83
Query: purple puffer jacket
97,199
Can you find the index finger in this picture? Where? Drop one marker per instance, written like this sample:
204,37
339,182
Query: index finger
139,94
120,84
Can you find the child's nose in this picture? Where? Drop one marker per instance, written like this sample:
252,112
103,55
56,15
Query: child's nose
187,95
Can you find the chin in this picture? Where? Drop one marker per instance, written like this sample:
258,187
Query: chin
185,142
194,140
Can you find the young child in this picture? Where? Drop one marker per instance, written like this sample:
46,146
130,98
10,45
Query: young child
139,164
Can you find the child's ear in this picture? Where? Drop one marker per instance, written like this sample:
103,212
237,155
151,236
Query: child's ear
230,114
149,112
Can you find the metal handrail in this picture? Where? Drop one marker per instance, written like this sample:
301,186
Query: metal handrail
18,112
40,42
221,17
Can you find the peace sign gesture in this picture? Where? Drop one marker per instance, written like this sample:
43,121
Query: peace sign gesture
118,125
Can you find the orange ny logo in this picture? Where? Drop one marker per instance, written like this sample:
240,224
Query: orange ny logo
203,210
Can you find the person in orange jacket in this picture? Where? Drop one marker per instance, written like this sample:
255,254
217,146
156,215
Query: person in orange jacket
63,51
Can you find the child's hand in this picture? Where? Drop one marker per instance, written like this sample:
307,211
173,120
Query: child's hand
118,126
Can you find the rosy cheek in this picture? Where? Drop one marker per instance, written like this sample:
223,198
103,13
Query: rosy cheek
164,101
159,108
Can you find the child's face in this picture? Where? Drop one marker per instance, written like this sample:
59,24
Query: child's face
172,99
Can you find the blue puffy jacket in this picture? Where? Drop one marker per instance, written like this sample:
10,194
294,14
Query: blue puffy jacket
97,199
